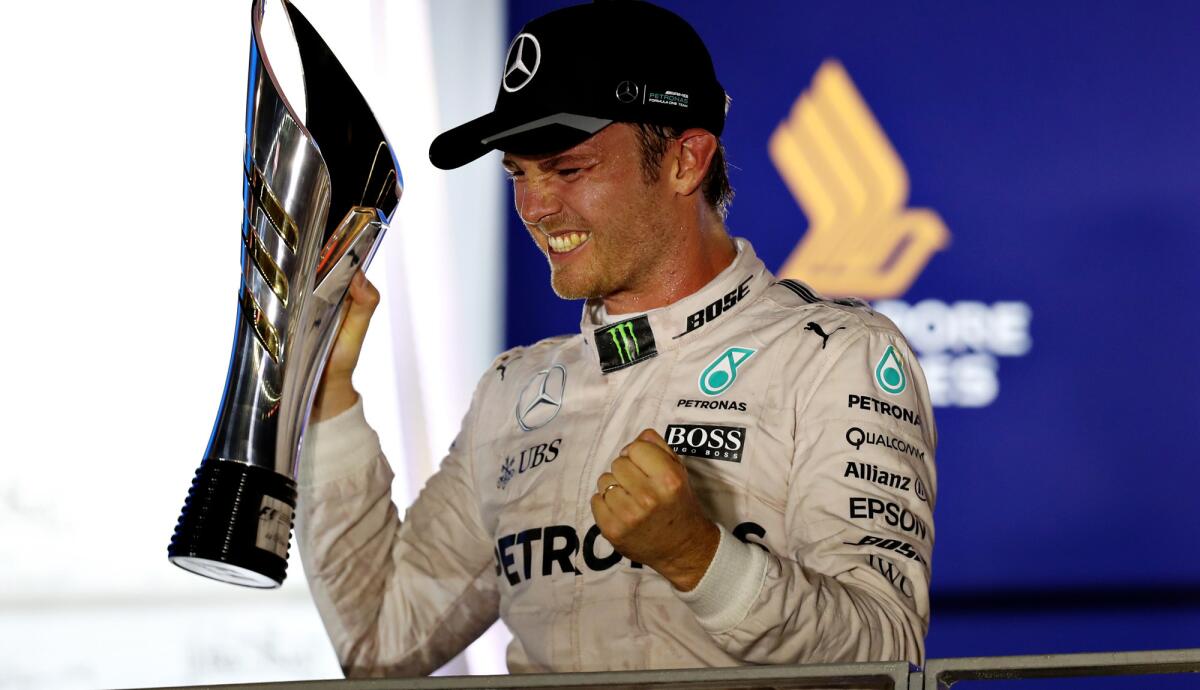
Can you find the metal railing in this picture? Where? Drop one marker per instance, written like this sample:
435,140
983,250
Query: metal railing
941,673
897,675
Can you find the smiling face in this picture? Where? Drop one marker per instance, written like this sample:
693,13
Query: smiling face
603,228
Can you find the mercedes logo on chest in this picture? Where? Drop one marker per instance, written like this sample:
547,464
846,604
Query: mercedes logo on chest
524,58
541,398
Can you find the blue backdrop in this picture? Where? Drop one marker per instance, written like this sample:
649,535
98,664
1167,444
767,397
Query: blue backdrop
1053,151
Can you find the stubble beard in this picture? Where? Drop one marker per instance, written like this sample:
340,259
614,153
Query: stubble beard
583,279
600,272
621,255
614,264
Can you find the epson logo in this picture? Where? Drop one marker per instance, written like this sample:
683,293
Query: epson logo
866,508
707,441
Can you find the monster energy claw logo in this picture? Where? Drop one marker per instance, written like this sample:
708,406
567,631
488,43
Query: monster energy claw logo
624,340
889,373
718,376
625,343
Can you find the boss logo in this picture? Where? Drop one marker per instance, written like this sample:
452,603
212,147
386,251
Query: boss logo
707,441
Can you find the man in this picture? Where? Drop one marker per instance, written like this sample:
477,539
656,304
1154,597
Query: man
719,469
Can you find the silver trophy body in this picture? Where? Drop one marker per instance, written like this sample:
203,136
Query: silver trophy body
318,195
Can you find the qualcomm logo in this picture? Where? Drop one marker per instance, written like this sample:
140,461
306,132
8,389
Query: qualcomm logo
864,241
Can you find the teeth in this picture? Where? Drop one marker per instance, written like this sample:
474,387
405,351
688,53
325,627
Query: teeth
565,242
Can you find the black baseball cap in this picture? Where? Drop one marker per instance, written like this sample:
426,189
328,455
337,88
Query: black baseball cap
574,71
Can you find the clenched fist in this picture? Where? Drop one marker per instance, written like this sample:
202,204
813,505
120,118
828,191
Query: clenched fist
644,507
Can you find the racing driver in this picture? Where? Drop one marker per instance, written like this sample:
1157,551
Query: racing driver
719,468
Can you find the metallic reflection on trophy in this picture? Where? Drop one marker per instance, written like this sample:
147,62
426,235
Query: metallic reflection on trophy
318,196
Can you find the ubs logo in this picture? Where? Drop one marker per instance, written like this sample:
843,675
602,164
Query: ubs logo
529,459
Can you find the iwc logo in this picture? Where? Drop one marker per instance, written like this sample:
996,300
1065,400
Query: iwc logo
542,397
627,91
524,58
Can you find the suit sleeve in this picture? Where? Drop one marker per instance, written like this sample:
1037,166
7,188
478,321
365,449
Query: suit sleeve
397,598
853,584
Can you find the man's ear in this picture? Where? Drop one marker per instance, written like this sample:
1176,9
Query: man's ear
696,150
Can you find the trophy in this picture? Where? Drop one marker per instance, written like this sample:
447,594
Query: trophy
319,195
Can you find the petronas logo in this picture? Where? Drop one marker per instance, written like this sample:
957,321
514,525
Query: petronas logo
889,373
718,376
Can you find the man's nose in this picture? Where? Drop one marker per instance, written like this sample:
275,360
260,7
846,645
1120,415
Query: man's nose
535,202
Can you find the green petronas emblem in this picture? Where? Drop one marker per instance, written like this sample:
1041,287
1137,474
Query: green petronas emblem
718,376
889,373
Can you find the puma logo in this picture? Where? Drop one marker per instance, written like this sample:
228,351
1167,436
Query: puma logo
816,328
502,365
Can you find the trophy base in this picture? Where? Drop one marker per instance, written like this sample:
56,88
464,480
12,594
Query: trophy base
236,525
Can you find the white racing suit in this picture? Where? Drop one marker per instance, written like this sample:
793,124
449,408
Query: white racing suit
808,435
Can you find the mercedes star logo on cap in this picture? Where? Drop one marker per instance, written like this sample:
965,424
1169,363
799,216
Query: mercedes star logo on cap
524,57
627,91
542,397
562,81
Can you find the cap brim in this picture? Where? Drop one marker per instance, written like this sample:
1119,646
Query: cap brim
515,134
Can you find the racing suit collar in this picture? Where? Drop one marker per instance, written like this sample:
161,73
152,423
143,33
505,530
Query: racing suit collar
628,339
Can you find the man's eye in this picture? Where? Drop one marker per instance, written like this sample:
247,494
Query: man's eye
569,172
